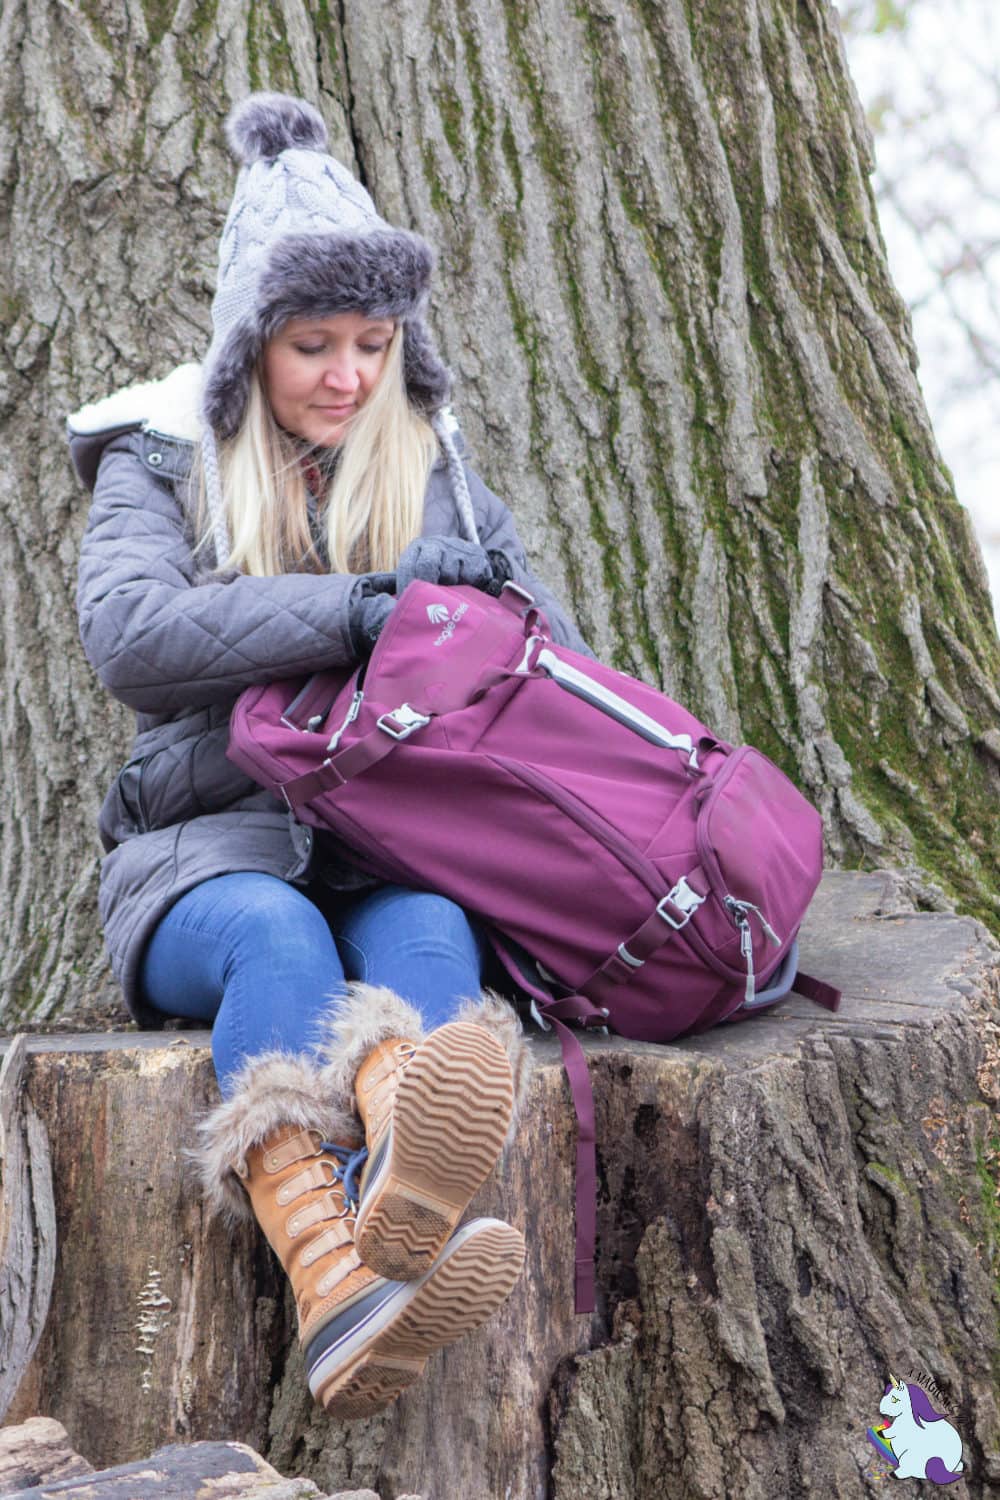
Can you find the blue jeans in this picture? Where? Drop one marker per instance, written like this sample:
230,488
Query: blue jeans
259,960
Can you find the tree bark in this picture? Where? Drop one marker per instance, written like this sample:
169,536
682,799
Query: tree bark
678,353
788,1209
27,1226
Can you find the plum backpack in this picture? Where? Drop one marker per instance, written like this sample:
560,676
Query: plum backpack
635,872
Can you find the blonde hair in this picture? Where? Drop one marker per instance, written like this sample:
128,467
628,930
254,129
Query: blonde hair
373,506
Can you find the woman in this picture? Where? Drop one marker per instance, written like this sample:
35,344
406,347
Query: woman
255,518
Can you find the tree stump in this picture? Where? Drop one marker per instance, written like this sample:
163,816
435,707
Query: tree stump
37,1450
789,1208
678,354
226,1471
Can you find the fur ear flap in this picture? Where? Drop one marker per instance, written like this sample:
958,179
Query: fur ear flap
264,125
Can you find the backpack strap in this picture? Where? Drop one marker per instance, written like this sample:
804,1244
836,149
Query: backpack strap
361,756
669,915
579,1008
815,989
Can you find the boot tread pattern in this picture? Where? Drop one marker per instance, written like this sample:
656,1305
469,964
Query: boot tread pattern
449,1123
457,1297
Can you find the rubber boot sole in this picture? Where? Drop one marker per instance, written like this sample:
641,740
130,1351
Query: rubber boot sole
372,1362
449,1122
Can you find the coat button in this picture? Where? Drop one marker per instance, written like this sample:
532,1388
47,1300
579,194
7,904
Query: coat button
154,460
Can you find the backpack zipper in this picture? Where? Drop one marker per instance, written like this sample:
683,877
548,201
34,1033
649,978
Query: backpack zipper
734,906
353,710
606,834
598,696
738,911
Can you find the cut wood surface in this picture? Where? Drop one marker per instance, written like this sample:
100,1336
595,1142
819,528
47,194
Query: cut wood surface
222,1471
789,1208
35,1451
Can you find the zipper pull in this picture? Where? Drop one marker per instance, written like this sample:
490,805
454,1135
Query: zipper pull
349,718
746,949
769,930
738,908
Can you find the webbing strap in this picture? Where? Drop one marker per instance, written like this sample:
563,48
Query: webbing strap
575,1008
338,1273
575,1063
815,989
338,770
296,1148
667,917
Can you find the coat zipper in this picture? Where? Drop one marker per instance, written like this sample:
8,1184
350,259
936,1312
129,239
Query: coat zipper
140,806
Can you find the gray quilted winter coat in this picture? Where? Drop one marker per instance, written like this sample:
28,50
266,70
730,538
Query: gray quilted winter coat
179,648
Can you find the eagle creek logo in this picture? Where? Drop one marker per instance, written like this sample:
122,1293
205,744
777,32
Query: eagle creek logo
438,612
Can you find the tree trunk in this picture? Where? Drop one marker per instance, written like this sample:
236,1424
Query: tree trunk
789,1209
27,1226
678,353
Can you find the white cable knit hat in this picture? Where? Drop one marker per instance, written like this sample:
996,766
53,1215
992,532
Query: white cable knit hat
303,239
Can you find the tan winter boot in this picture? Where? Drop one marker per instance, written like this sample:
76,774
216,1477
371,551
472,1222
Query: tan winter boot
365,1338
436,1113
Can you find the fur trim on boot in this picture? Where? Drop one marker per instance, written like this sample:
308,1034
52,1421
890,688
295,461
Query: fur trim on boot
274,1089
354,1026
498,1015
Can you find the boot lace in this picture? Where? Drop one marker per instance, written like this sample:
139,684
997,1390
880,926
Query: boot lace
345,1173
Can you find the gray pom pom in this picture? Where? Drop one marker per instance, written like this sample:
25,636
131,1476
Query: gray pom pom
266,124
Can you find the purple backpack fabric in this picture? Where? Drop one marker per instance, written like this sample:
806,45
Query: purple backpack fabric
636,872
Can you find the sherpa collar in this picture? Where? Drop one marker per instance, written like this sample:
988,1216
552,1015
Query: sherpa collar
168,407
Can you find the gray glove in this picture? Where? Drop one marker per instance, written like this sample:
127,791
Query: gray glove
370,607
443,559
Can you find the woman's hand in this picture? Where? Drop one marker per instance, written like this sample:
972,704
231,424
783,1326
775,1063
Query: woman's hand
370,608
443,559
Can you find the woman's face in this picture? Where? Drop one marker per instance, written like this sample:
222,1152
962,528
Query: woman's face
319,371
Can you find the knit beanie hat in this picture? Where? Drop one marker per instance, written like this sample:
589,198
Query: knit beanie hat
303,239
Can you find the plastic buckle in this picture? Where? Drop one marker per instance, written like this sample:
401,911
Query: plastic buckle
538,1018
686,900
409,718
516,588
